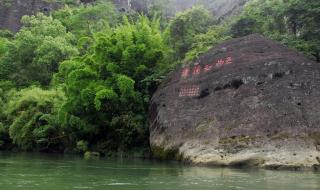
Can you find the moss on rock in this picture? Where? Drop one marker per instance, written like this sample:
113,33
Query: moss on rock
166,154
315,137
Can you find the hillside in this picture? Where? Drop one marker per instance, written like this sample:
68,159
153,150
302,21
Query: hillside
81,78
11,11
220,8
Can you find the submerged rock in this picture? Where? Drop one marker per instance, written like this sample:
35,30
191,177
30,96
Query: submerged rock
91,155
249,101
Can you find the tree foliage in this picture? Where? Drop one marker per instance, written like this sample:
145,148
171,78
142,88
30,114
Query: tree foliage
32,121
36,50
204,42
185,26
295,23
105,89
86,20
6,91
81,80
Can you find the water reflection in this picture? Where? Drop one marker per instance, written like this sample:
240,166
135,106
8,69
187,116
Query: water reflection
56,172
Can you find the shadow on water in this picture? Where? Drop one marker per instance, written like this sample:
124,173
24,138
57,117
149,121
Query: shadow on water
64,172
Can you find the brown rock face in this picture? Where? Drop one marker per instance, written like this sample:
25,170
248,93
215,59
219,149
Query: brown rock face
12,11
249,101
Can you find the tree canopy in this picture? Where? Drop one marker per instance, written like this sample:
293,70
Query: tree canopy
81,78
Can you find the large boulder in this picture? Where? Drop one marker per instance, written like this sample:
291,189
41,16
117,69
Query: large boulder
249,101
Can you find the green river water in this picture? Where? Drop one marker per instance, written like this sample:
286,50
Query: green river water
57,172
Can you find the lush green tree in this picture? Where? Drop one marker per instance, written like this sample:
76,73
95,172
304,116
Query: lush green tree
304,22
295,23
36,51
160,8
107,97
106,67
243,27
6,91
85,20
65,2
185,26
5,37
31,115
206,41
3,47
6,34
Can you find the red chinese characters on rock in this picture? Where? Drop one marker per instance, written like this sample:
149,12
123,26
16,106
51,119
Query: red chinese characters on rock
228,60
196,70
220,62
185,72
208,67
225,61
189,91
194,90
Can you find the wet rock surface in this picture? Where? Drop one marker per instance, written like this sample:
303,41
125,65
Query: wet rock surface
249,101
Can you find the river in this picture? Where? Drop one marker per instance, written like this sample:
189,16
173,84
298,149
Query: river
57,172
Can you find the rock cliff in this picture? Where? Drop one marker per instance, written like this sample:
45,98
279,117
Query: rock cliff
11,11
249,101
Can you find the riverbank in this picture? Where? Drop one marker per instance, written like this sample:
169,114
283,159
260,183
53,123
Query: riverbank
65,172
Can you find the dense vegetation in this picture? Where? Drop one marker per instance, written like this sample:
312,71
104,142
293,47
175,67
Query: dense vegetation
81,79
